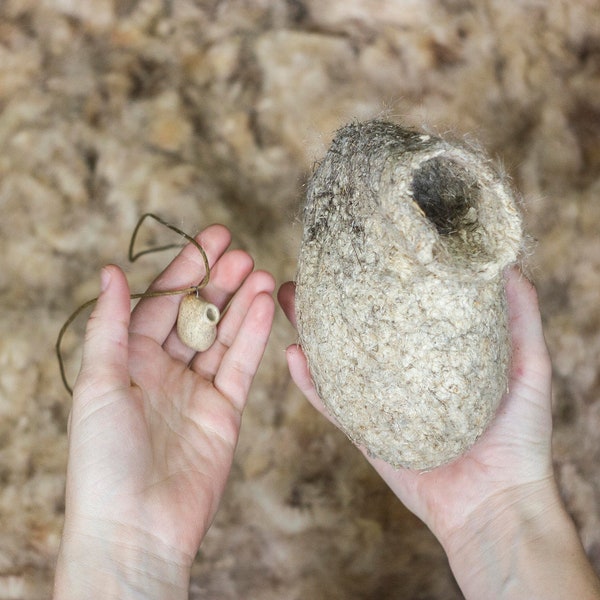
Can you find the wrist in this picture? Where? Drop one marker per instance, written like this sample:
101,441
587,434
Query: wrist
113,561
521,544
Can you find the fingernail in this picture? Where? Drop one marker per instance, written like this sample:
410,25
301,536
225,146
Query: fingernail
104,278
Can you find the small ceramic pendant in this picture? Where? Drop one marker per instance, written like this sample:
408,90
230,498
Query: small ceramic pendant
197,322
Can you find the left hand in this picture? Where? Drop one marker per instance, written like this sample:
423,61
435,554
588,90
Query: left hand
154,425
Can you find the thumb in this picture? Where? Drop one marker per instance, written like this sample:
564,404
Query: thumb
530,360
104,365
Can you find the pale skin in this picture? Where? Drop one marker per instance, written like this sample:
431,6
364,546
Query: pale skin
154,426
496,510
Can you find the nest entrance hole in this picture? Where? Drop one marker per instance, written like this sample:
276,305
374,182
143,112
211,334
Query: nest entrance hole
447,194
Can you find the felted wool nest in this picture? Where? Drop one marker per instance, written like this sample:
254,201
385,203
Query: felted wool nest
400,296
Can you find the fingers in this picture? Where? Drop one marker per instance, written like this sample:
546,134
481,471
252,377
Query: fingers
240,362
300,373
207,363
525,412
296,359
530,359
286,297
155,317
227,276
105,353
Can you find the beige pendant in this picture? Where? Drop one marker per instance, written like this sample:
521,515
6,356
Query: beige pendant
197,322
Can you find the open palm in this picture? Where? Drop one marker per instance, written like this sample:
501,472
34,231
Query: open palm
513,455
154,425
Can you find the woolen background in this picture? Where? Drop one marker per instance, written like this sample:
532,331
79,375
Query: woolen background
206,111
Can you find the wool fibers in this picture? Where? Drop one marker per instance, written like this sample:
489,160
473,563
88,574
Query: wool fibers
400,296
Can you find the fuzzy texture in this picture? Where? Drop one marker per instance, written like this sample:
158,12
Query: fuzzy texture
210,112
400,301
197,322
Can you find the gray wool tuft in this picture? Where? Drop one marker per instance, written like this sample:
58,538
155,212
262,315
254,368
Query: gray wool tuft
400,291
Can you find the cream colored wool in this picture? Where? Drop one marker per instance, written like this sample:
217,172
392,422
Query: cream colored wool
400,299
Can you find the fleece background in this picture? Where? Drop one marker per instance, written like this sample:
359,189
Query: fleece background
212,110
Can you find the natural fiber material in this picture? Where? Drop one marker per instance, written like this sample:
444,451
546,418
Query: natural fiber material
400,299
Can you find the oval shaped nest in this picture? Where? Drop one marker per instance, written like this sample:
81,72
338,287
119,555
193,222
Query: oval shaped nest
400,291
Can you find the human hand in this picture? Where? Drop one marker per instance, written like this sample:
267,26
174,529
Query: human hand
154,426
503,487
